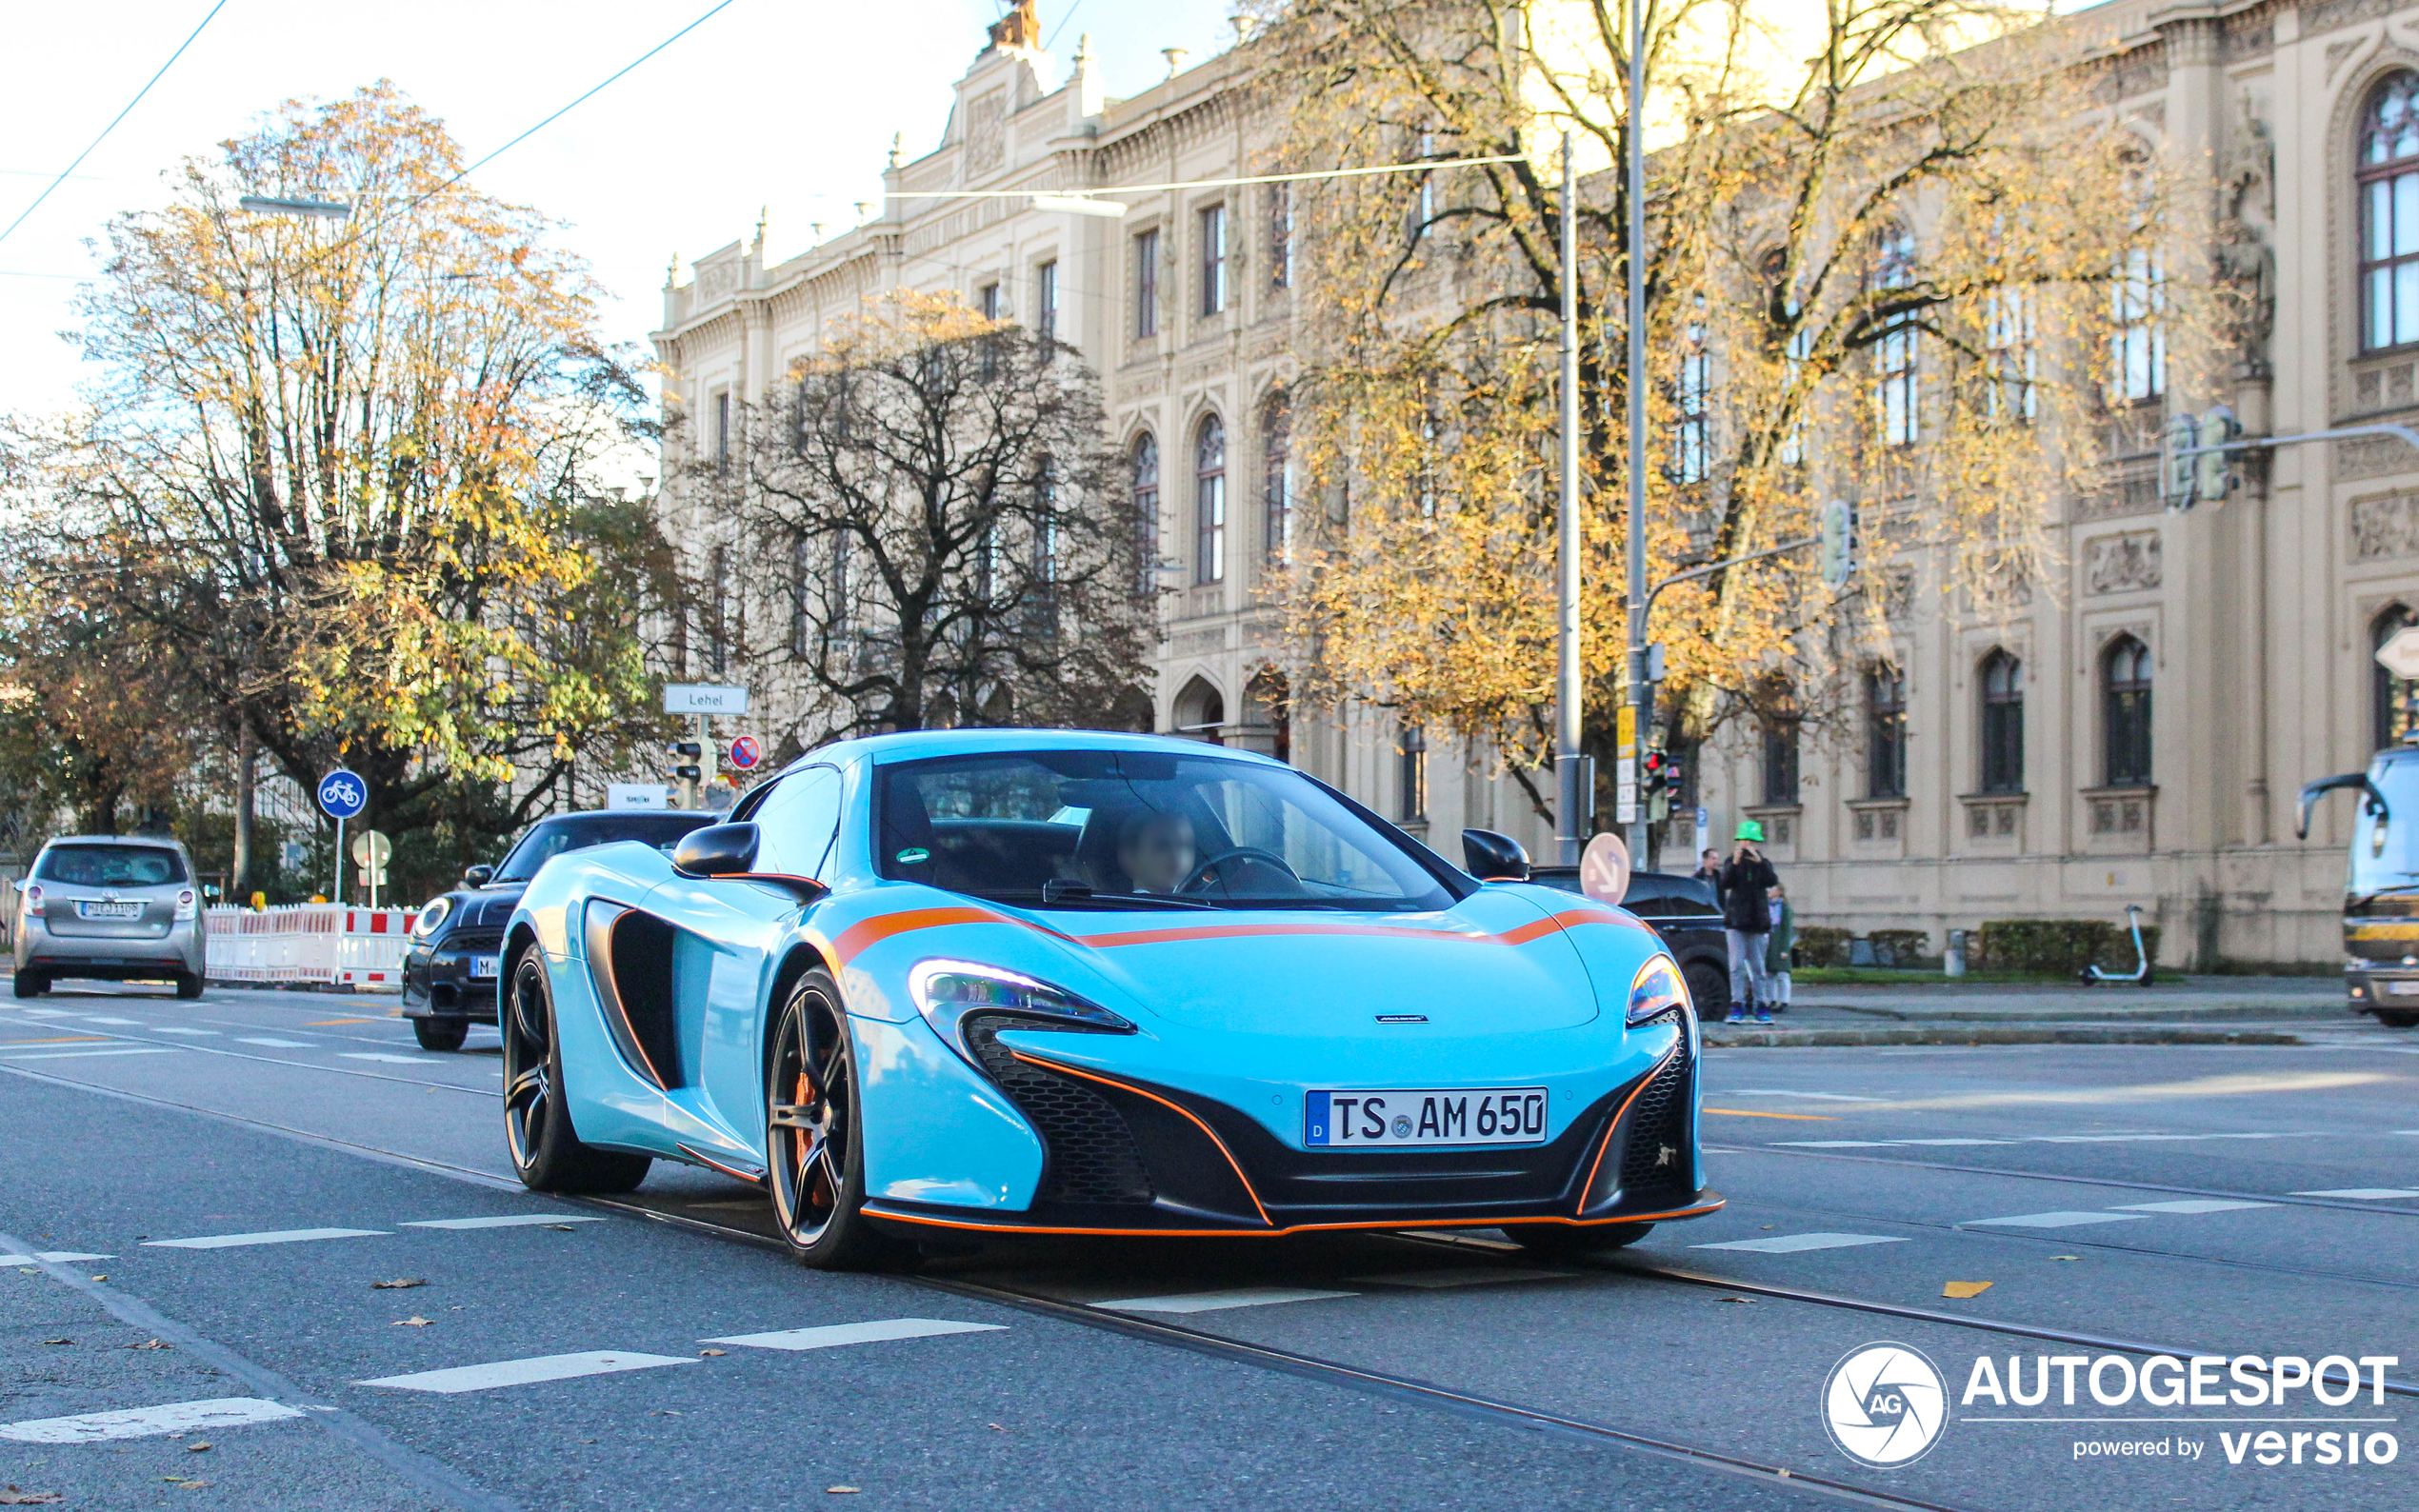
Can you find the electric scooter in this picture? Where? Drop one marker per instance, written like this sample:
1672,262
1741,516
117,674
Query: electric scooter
2092,976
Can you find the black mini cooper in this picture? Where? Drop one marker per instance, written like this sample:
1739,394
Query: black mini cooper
448,974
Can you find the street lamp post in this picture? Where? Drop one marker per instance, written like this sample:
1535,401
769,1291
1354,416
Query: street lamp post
1640,710
1572,805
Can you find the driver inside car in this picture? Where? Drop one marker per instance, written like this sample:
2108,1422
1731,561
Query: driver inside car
1155,850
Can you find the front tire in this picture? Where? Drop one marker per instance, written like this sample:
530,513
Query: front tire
814,1136
1570,1241
31,984
547,1152
441,1035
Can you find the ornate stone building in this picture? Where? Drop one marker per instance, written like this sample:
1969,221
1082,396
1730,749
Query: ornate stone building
2135,735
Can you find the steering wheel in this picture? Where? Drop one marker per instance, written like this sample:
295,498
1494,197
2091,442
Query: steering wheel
1252,854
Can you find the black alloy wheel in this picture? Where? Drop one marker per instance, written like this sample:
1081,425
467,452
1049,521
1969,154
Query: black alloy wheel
814,1152
441,1035
546,1151
1709,989
1574,1241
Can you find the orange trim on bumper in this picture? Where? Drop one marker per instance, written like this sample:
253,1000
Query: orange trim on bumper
875,1209
1108,1081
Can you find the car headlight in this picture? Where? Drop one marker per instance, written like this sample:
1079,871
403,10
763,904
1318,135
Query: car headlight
1657,989
947,992
430,916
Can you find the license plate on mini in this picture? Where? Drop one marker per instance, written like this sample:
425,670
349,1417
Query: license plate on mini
109,910
1393,1118
482,965
2403,989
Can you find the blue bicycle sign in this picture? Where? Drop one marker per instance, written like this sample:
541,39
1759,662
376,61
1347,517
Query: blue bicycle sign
343,794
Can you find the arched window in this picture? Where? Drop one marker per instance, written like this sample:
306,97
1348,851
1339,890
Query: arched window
1276,478
1894,365
1146,475
1209,502
1885,732
2387,177
1411,752
2389,697
1779,725
1200,711
2137,346
2124,684
2002,724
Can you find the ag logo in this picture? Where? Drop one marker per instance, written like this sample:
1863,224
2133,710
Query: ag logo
1884,1405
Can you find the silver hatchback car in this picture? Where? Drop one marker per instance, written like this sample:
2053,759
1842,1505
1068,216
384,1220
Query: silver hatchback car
112,909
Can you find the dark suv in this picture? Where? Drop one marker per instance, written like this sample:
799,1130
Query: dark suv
448,974
1686,913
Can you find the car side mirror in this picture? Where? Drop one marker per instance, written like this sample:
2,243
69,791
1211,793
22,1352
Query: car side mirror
479,876
1490,857
728,853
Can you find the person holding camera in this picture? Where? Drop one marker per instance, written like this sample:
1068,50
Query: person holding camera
1746,886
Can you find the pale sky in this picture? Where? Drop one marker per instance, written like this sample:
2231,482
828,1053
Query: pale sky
785,104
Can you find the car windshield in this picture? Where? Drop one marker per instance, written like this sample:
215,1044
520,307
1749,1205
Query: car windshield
2384,853
112,867
1078,829
552,837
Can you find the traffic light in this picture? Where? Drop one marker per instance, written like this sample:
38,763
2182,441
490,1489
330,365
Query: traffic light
2215,478
2179,475
688,753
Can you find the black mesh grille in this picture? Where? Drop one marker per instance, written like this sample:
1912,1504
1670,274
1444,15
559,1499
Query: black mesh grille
1089,1151
1656,1154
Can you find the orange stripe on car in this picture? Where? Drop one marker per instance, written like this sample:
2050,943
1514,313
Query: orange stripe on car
867,933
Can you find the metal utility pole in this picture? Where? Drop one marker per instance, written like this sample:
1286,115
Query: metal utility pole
1572,805
1638,718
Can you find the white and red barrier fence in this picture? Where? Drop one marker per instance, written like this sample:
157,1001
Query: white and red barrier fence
310,942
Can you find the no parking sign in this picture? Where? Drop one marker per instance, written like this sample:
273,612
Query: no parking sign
745,753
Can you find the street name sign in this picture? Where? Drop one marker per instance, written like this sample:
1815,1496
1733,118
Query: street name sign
704,698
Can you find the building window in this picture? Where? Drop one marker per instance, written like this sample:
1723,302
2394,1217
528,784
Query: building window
1780,751
1276,483
1045,301
989,298
1885,732
2390,696
1412,756
1209,502
1145,474
1214,259
722,430
1147,283
1894,355
2139,355
2387,176
2124,680
718,623
2013,365
1281,235
2002,724
1692,398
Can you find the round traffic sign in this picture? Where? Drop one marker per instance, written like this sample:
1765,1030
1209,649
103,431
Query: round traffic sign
343,794
745,753
372,850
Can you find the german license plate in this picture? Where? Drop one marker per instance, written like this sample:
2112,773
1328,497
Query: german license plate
2403,989
109,910
482,965
1393,1118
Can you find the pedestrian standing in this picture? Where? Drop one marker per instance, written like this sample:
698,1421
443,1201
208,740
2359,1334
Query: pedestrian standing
1709,866
1746,885
1776,953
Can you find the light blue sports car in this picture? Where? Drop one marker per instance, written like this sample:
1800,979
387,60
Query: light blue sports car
1072,983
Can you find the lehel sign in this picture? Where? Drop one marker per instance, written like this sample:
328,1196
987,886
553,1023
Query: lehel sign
637,795
704,698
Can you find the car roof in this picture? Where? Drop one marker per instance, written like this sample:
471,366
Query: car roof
154,842
918,745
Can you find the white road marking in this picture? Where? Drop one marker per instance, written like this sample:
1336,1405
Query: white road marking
123,1024
275,1045
527,1372
82,1055
278,1236
213,1033
62,1013
2057,1220
2364,1194
1783,1091
1952,1141
138,1423
56,1257
2190,1204
1836,1144
1219,1301
390,1060
1437,1280
514,1220
832,1335
2040,1139
1791,1244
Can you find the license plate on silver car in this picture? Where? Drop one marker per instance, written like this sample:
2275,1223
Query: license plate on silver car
2403,989
1393,1118
109,910
482,965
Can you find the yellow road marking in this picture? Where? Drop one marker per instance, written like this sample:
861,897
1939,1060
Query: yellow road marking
64,1039
322,1023
1802,1118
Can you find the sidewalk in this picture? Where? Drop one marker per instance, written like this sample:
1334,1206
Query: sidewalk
2198,1010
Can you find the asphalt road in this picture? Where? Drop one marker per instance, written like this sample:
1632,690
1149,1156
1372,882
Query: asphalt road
2122,1202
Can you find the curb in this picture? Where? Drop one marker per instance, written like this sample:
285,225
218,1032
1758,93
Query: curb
1960,1034
2161,1013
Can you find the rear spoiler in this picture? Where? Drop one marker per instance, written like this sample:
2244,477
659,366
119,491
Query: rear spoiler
2311,792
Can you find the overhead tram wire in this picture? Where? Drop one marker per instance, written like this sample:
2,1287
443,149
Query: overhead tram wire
1421,167
114,122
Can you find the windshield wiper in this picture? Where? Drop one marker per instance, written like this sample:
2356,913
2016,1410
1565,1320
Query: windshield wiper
1059,890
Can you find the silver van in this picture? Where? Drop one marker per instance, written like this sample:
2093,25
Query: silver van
112,909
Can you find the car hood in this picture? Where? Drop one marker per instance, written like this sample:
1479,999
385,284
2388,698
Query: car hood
1496,963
